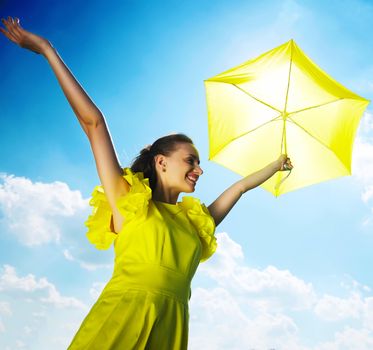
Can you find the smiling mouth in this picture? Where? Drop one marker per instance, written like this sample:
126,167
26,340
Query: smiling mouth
191,181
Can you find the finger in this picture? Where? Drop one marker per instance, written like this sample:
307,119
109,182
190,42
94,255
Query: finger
5,22
13,29
16,28
5,29
19,31
10,20
12,37
9,36
18,23
9,26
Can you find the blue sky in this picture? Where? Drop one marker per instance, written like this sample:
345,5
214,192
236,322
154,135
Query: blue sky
292,272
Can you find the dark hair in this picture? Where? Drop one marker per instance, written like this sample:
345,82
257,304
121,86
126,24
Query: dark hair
165,145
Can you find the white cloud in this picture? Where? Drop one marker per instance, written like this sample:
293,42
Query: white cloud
10,282
332,308
277,285
96,289
366,127
84,264
244,308
27,330
31,210
351,285
270,308
220,320
362,159
34,225
5,308
367,195
368,313
40,315
362,162
349,339
20,344
68,255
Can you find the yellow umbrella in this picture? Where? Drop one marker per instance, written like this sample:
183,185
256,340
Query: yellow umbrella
282,102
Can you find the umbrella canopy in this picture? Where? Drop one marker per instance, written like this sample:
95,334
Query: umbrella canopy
282,102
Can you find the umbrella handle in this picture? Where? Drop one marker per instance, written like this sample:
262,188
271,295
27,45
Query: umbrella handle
283,146
279,184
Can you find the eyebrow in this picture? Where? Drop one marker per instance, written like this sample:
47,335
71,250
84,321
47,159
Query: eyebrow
193,156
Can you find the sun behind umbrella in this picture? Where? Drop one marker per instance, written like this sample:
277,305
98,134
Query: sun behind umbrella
282,102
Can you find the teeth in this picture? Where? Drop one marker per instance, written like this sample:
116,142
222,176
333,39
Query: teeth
191,179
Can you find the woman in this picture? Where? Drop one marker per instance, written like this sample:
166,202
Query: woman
158,241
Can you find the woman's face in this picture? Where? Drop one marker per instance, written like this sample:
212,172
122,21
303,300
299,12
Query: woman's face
182,168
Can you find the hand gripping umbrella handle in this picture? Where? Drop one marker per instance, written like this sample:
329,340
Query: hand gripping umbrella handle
279,184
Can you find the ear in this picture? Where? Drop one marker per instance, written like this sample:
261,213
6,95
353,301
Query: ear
160,160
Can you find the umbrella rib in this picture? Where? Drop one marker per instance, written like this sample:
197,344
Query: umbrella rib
260,101
245,133
283,139
315,138
288,85
317,106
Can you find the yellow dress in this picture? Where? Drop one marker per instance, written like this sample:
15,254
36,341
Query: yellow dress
145,303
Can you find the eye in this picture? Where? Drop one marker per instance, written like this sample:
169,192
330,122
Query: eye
190,160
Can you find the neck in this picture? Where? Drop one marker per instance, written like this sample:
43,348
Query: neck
165,196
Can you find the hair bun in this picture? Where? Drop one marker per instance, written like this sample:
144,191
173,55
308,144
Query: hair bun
146,150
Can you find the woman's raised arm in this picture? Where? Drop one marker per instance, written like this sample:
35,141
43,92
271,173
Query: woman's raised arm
84,108
220,208
89,116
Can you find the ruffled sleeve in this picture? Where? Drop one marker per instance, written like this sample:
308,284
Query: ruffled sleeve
133,205
203,222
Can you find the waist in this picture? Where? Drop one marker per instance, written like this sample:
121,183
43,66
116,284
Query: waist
150,277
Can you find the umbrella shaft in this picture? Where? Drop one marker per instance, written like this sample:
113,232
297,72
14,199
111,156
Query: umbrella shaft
283,140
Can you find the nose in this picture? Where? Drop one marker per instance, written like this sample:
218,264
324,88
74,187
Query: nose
200,171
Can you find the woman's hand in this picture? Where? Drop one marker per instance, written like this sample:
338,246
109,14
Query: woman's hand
284,163
22,37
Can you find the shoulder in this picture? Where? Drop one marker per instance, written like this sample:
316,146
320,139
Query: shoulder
204,223
133,206
193,205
